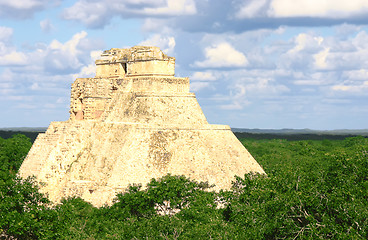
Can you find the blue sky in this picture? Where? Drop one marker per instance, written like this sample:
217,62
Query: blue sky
252,63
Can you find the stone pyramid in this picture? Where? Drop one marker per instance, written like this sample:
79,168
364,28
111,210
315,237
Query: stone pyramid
133,122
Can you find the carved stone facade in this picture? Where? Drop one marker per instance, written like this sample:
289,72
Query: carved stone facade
133,122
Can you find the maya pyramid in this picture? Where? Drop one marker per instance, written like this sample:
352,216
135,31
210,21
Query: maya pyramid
133,122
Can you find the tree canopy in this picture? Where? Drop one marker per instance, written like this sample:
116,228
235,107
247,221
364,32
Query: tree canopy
312,190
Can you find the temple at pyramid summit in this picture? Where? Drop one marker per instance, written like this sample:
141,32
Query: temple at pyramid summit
132,122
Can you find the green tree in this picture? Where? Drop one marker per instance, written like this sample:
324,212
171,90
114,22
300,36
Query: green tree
22,208
315,190
13,151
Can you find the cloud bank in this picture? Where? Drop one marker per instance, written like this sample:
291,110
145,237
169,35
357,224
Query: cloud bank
254,63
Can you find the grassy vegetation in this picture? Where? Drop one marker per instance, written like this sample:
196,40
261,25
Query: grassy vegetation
315,189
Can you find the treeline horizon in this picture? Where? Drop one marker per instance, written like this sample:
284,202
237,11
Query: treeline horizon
293,136
5,134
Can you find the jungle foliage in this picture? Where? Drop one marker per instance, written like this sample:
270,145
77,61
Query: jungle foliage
313,190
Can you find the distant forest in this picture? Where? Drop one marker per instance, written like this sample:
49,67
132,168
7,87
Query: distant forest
5,134
292,137
8,134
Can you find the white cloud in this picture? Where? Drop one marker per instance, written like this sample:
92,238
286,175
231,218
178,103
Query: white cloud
98,14
48,68
222,55
359,75
238,98
68,57
361,40
308,82
248,87
202,80
203,76
228,48
46,25
155,25
318,8
21,4
344,30
5,33
361,89
90,69
342,54
8,54
165,43
172,8
235,105
70,46
316,78
6,88
20,9
35,86
251,9
197,86
13,58
301,54
320,59
309,69
306,41
91,13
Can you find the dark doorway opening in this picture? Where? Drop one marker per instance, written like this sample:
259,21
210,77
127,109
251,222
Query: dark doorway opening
124,65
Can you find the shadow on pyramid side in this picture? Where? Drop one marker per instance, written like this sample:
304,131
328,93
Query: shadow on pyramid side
133,122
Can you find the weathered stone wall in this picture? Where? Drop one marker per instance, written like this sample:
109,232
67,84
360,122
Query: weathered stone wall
108,70
136,61
154,67
155,109
154,84
90,97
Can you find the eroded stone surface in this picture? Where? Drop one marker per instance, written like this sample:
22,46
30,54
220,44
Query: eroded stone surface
133,122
